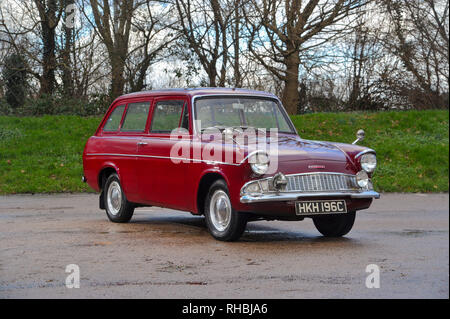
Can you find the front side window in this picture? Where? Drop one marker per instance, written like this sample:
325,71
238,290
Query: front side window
241,112
136,117
113,121
167,116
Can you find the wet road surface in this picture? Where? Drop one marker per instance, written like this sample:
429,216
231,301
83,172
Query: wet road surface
163,253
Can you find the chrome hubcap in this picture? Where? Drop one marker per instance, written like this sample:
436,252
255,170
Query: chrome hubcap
220,210
114,198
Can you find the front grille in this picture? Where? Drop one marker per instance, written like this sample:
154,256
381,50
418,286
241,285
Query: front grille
318,182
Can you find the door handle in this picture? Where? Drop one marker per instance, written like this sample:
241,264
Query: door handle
141,143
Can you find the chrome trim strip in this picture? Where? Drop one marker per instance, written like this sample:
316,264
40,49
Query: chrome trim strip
176,158
162,157
321,173
143,135
249,199
343,152
369,150
253,153
110,154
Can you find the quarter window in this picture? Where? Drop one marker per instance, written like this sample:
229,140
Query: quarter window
136,117
167,115
112,124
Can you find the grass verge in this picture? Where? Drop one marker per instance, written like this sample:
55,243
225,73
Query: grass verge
412,146
43,154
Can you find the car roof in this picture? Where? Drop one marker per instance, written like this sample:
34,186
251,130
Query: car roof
195,92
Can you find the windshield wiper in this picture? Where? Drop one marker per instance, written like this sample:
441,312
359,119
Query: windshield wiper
219,127
250,127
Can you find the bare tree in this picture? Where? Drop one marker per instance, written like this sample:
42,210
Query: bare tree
419,38
280,30
113,24
88,59
67,49
205,27
363,51
29,28
50,12
153,33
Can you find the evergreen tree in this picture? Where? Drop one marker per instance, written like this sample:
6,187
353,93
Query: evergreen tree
15,80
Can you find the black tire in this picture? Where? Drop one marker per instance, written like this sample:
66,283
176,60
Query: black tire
237,221
335,225
126,209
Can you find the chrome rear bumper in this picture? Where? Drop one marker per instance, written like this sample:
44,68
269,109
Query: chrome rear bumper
274,197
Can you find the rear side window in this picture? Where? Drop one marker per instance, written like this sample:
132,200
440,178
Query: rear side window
112,124
136,117
166,116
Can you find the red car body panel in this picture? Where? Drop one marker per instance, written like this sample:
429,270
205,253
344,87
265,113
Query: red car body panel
149,177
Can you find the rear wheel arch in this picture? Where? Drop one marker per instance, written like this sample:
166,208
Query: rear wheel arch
105,172
118,208
203,188
103,175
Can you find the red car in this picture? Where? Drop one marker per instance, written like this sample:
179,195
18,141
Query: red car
232,155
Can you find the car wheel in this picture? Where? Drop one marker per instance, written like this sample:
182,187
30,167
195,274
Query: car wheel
118,208
335,225
223,222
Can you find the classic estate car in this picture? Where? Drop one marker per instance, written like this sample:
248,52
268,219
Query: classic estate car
232,155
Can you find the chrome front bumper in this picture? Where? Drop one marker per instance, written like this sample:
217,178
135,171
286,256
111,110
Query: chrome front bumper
277,197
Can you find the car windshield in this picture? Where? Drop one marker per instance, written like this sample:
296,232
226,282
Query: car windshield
244,112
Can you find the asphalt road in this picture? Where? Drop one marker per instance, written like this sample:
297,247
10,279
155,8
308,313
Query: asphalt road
169,254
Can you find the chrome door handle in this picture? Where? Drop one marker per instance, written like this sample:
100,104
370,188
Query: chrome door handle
141,143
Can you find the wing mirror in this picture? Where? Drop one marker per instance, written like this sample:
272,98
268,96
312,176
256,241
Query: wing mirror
359,136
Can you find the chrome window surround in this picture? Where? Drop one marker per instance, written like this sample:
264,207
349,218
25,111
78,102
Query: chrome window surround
273,97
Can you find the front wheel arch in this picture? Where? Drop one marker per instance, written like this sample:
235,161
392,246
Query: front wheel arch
204,185
218,203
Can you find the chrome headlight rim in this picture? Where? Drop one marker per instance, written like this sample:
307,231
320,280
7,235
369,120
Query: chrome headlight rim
259,162
368,162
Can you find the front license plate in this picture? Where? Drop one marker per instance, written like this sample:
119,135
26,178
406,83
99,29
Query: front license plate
321,207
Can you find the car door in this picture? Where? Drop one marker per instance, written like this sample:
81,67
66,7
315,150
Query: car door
124,147
162,178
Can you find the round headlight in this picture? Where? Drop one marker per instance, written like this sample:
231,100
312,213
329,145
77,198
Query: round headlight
368,162
362,179
259,162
